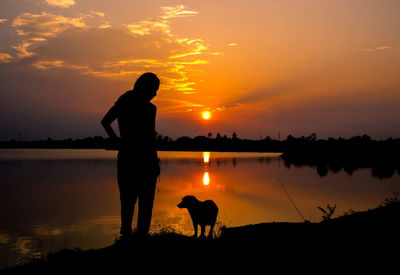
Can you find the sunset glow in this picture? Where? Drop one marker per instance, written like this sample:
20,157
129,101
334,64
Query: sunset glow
294,67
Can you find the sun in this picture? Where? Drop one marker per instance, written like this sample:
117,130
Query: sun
206,115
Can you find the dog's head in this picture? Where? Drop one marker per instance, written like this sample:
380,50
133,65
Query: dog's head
188,202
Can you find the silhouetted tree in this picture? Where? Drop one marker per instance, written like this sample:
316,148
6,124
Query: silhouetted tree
234,135
312,137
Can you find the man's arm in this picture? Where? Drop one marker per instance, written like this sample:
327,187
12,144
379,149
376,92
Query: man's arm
110,116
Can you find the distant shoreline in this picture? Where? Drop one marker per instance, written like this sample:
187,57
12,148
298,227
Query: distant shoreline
219,143
325,155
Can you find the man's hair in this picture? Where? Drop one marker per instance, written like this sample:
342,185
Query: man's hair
145,81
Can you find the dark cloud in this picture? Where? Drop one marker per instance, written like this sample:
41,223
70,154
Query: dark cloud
95,47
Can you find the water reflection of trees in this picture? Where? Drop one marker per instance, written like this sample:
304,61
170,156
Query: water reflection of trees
237,161
380,168
221,161
382,157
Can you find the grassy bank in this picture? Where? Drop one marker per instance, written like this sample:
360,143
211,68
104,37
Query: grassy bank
168,251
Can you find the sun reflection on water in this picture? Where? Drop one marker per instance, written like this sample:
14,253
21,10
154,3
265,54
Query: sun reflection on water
206,157
206,178
206,174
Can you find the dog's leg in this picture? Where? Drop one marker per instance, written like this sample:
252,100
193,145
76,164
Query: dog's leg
203,230
195,230
211,232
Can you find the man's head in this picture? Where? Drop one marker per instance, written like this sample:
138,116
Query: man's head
147,85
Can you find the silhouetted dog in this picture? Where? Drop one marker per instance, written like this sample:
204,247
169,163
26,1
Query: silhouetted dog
202,213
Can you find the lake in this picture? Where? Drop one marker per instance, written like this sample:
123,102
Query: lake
52,199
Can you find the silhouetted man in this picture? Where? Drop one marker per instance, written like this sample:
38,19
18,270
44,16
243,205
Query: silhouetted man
138,163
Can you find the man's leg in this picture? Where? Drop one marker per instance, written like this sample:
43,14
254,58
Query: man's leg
127,195
127,208
146,202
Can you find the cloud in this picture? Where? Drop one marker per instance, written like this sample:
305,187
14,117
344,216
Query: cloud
198,47
47,65
40,27
377,49
45,24
229,106
104,52
70,42
260,96
108,50
233,44
22,47
97,13
176,12
161,23
74,67
146,27
61,3
105,55
5,57
172,106
185,50
105,25
3,20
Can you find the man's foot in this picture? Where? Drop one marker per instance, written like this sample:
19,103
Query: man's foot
124,239
138,235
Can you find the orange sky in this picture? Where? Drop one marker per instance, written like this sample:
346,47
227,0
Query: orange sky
259,67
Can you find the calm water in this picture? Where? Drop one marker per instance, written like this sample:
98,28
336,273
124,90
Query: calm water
52,199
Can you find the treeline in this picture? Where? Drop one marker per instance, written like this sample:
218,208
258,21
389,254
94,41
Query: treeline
308,146
96,142
222,143
164,143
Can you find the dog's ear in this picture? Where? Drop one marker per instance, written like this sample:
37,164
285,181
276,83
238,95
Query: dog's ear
189,199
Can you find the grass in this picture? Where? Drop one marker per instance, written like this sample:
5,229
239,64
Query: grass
327,212
168,247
